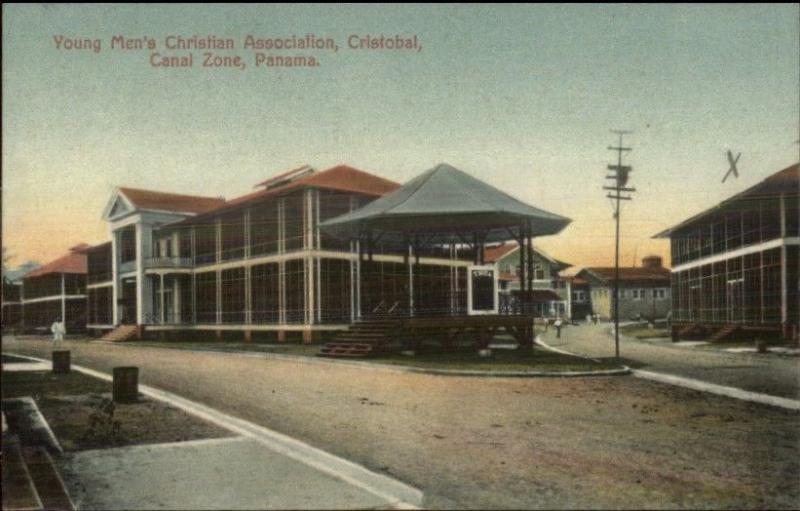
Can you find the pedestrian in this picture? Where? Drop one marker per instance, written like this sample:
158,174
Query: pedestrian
58,330
558,324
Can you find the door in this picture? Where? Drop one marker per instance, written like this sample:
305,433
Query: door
128,303
735,299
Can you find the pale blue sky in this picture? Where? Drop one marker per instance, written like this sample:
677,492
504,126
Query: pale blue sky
519,96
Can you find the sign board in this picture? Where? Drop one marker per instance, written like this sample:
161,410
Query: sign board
482,290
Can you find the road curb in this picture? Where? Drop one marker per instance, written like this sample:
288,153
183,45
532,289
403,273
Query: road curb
396,493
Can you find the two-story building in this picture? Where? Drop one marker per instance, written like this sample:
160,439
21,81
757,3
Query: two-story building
258,263
549,294
735,265
56,291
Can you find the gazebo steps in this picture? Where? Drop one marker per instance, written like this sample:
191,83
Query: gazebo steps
363,339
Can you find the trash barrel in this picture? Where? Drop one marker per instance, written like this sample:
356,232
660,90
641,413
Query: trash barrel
126,384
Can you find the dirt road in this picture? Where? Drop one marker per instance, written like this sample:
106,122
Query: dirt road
610,442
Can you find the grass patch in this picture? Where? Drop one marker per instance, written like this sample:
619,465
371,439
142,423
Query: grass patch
500,360
232,347
39,384
642,332
77,409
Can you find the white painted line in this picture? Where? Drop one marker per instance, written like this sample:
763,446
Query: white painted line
39,420
745,395
26,366
386,488
690,383
169,445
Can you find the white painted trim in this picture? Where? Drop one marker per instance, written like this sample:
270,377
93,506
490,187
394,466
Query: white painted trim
739,252
53,298
324,254
100,284
485,267
252,326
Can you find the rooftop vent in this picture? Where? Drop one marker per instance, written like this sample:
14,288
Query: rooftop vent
287,177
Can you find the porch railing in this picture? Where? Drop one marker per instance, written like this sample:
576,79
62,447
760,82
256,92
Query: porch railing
168,262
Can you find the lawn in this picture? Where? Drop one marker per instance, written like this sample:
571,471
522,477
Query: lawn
641,331
500,360
80,413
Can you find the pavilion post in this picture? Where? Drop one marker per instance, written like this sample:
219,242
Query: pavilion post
410,280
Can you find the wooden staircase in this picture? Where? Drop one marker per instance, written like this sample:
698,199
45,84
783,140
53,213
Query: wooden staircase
691,332
726,333
363,339
121,333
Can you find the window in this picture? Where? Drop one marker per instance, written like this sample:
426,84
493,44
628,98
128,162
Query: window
579,296
538,272
660,293
638,294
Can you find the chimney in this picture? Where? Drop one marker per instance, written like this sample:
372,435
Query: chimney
651,262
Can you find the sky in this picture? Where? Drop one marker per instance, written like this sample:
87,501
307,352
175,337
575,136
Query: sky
520,96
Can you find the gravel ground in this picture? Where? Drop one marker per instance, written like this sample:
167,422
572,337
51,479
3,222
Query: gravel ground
771,374
602,442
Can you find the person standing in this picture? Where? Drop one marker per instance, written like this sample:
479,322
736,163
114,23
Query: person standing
58,331
558,324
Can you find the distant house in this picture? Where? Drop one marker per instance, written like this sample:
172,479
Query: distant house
579,293
57,290
644,292
735,265
549,293
12,295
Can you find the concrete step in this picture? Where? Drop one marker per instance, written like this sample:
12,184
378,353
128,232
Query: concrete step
19,490
49,485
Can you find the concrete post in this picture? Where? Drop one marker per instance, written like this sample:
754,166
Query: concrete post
125,384
61,362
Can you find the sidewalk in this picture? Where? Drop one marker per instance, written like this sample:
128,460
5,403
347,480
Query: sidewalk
226,473
771,374
251,468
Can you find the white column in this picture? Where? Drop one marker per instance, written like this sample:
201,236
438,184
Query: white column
247,234
248,291
114,278
569,299
63,301
282,292
139,276
358,280
784,287
410,281
161,300
176,299
219,296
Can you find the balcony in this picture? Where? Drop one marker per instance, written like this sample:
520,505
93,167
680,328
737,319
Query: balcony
168,263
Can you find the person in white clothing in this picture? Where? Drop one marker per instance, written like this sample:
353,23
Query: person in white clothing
58,330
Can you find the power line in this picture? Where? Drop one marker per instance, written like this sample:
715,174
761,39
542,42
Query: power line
619,176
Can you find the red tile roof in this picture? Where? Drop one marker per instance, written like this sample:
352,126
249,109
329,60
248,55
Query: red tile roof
148,199
341,177
494,254
74,262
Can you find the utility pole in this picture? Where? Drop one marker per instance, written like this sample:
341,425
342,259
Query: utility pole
618,175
